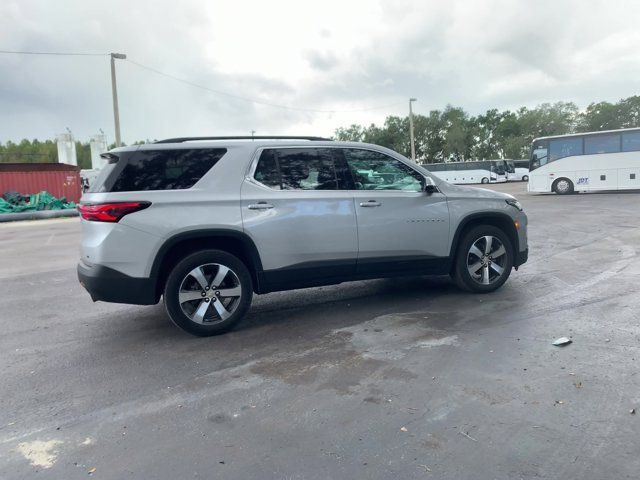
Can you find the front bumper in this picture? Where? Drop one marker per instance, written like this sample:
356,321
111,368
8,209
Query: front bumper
109,285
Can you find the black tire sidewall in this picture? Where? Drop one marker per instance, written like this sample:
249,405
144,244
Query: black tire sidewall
461,272
187,264
483,181
525,178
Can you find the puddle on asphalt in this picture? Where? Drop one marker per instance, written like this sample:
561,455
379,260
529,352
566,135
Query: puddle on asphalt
393,336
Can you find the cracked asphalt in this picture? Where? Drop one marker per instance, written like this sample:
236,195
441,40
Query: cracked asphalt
403,378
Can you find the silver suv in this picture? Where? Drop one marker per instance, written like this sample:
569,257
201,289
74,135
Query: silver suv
208,222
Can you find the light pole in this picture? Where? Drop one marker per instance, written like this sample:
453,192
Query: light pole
114,92
413,142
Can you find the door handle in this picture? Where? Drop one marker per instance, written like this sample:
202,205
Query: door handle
260,206
370,203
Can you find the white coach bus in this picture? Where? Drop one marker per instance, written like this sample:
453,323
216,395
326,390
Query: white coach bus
608,160
482,171
517,170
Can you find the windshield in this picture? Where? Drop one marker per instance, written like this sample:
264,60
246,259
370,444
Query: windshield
498,167
539,154
511,168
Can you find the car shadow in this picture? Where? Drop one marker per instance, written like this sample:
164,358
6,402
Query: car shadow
314,312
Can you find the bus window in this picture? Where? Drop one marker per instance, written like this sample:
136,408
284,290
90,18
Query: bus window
601,144
631,142
564,147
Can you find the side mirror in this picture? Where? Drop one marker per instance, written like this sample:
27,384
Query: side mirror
429,186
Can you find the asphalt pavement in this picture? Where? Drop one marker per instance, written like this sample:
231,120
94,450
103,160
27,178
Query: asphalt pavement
403,378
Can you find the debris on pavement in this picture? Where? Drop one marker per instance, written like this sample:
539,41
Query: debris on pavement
467,435
562,341
632,411
92,470
403,429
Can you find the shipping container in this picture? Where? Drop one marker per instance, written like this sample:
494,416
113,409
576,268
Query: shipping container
59,179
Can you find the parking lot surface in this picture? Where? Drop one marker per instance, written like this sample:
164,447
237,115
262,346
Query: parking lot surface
401,378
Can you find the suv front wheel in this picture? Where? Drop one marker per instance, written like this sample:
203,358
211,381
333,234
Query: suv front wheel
484,259
208,292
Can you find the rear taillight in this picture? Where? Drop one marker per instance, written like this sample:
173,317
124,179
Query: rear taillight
110,212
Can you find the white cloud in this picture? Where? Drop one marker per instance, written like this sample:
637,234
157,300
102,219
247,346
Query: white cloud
339,55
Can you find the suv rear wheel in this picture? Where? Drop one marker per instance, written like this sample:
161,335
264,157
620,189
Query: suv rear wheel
484,259
208,292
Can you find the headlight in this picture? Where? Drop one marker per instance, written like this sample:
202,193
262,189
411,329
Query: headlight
514,203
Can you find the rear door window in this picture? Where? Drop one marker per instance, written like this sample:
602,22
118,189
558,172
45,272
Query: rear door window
300,169
166,169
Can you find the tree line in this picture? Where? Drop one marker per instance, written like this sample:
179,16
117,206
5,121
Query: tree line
442,135
454,135
36,151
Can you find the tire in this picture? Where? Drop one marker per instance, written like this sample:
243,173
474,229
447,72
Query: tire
484,180
492,270
525,178
206,310
562,186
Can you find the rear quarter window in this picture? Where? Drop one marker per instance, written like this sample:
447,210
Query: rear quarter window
166,169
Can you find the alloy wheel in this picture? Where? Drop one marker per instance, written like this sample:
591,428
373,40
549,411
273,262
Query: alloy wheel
209,293
486,260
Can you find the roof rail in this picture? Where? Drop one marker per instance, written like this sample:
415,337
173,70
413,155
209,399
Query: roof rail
255,137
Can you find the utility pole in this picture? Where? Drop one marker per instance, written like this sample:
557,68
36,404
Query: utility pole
413,141
114,92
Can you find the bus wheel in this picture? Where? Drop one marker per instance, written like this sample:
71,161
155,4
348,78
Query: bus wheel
525,178
484,180
563,186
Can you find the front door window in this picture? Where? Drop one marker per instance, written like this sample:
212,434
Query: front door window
377,171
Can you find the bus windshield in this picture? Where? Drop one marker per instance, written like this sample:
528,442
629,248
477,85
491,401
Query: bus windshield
510,166
539,154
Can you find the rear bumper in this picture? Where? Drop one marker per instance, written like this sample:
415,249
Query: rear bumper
521,258
109,285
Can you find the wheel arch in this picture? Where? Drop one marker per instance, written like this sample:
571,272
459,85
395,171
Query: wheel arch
496,219
180,245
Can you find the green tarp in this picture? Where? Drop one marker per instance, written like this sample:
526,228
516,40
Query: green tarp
13,202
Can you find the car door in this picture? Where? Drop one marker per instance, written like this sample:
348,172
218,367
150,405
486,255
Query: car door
302,220
400,226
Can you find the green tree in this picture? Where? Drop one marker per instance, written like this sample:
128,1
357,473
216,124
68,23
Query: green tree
354,133
600,116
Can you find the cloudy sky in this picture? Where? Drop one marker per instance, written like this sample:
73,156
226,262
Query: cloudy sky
332,63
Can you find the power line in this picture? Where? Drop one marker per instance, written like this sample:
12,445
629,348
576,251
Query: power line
71,54
203,87
251,100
